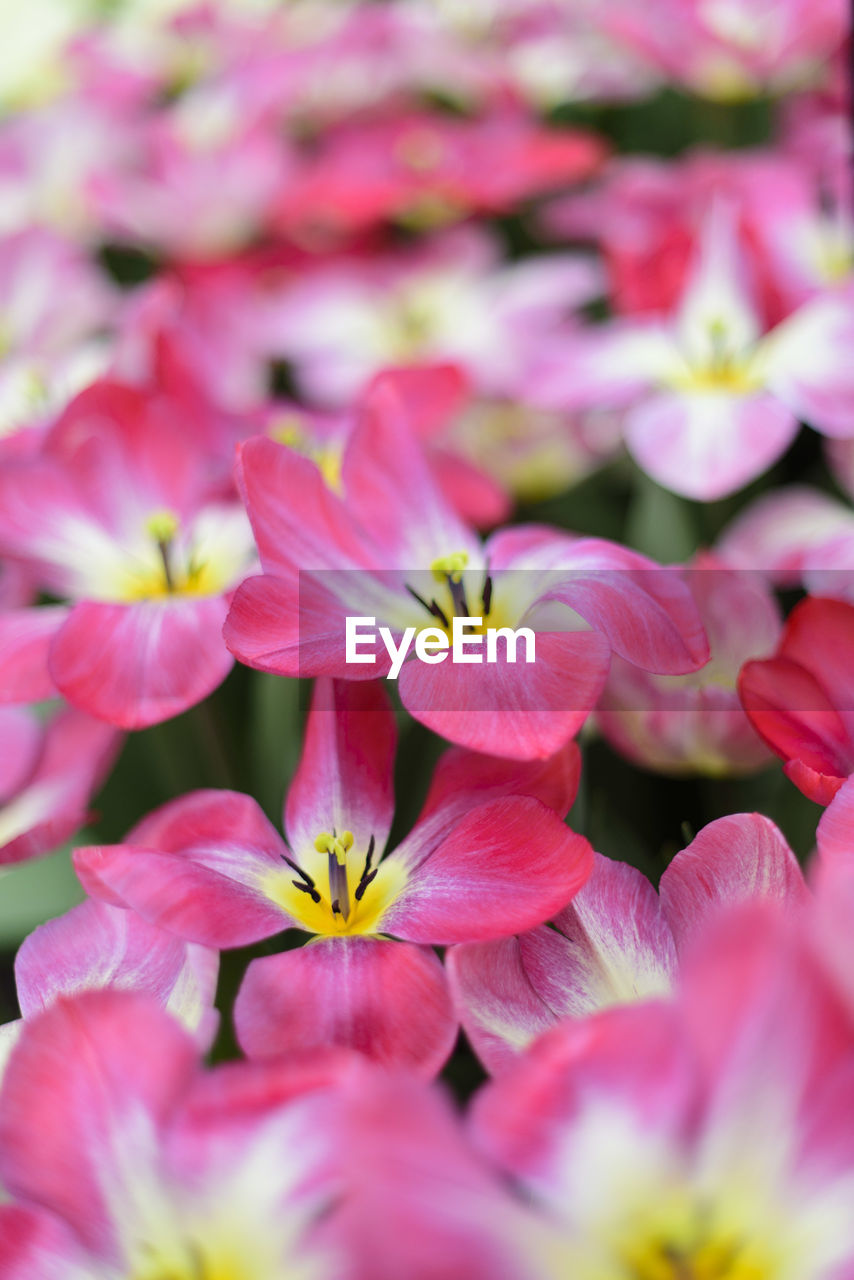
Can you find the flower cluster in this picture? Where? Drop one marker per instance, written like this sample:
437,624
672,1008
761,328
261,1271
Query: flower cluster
395,669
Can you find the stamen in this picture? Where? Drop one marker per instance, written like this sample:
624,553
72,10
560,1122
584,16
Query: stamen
162,527
432,608
336,847
450,566
487,594
367,874
305,883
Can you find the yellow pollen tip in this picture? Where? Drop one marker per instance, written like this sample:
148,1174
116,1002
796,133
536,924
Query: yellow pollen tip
450,566
162,525
335,845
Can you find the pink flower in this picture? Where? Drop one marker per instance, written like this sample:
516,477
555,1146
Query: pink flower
618,941
47,353
795,536
125,515
94,946
392,548
450,299
712,399
488,852
425,168
801,700
732,49
49,771
647,215
695,723
711,1135
323,1167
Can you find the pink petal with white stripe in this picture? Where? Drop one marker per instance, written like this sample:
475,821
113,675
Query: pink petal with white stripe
705,445
135,665
91,1080
196,867
739,858
75,754
345,777
387,1000
95,945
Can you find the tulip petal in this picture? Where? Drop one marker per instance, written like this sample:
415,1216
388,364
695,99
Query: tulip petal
734,859
195,867
102,1072
388,1000
25,639
136,665
96,945
707,445
520,711
76,755
345,777
507,866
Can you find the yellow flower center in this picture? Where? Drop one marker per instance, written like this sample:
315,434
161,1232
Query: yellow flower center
338,892
169,574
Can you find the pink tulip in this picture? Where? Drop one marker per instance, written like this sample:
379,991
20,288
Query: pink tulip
695,723
712,1135
392,548
125,516
49,771
489,853
801,700
618,941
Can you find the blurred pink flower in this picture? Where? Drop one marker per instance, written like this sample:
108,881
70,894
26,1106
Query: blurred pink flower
695,723
49,771
711,398
125,514
708,1135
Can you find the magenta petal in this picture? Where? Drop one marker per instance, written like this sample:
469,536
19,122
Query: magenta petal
462,778
194,867
296,518
20,745
505,867
646,612
135,665
95,945
500,1011
25,639
835,834
388,1000
345,778
522,711
390,489
89,1080
734,859
76,755
34,1243
633,1059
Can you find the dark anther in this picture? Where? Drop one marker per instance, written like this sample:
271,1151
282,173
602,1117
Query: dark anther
458,595
487,593
306,888
364,882
336,908
432,608
307,882
367,874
